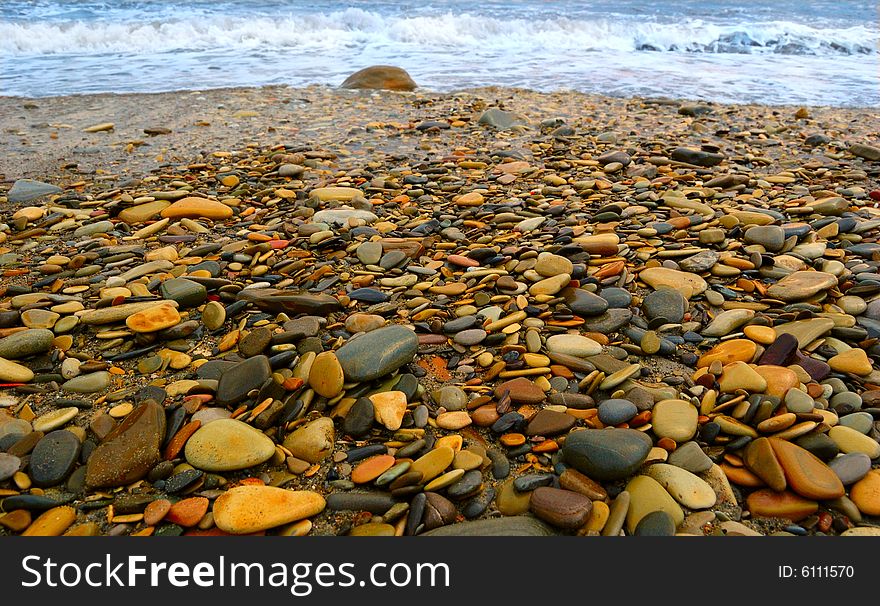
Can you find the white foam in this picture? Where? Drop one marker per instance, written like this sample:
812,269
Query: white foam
357,29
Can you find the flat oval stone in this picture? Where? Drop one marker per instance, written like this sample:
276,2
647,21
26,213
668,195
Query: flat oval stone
369,253
866,493
130,450
143,212
326,376
450,397
377,353
521,390
228,445
849,441
616,411
583,302
862,422
727,322
801,285
153,319
687,284
685,487
313,441
88,383
561,508
370,469
249,509
700,262
734,350
186,292
606,454
193,207
550,286
444,480
55,419
54,458
39,318
674,419
777,423
768,503
805,473
51,523
470,337
797,401
573,345
26,343
454,420
213,315
850,468
549,423
356,323
571,479
771,237
666,303
11,372
433,463
469,485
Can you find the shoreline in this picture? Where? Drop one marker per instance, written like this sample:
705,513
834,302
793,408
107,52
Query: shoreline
424,90
41,133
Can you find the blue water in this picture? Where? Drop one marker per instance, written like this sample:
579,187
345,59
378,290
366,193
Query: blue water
779,52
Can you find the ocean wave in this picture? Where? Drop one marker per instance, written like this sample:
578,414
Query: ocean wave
357,29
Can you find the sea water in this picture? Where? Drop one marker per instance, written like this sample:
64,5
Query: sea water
817,52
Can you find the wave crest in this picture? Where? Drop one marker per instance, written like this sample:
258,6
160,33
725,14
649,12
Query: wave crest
356,28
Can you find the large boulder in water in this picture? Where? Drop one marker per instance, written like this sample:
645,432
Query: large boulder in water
384,77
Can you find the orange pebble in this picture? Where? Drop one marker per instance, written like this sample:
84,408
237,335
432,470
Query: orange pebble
640,419
667,444
176,444
546,446
513,439
370,469
188,512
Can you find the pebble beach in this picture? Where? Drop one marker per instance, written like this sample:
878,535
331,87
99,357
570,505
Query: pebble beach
494,311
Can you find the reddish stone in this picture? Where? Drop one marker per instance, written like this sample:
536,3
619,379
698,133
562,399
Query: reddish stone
561,508
521,391
156,511
179,440
188,512
766,503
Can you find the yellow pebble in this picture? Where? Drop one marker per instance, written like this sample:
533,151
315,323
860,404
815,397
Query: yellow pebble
765,335
598,516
